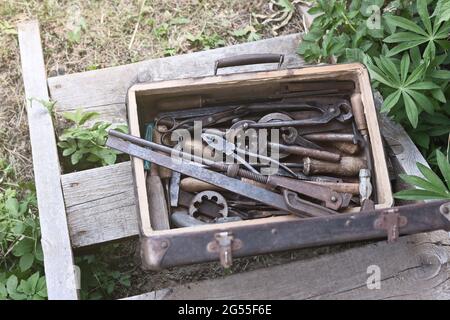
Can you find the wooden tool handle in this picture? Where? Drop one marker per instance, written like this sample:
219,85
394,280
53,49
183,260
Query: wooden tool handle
157,205
193,185
358,112
164,173
347,167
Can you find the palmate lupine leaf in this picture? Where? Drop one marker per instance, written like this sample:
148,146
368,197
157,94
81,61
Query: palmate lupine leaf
431,186
409,87
434,32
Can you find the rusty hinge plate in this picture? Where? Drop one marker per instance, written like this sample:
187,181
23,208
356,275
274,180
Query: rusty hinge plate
224,243
391,221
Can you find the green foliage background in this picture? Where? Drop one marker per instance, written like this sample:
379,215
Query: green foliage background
404,45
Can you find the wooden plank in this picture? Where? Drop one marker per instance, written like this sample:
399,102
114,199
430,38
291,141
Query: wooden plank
105,88
415,267
100,204
58,259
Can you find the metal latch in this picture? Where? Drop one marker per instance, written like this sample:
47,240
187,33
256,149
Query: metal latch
224,243
391,221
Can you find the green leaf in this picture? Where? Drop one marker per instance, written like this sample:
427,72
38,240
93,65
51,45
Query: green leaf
3,292
411,109
416,194
441,74
33,281
76,157
423,13
405,24
403,37
404,67
69,151
438,95
422,100
391,69
12,206
425,85
431,176
442,11
286,5
417,74
26,261
391,101
421,183
87,116
404,46
444,167
23,247
11,284
378,77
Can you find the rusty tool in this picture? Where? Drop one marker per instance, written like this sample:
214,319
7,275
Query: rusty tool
182,219
278,116
347,166
164,173
136,147
211,196
365,190
174,188
307,152
219,143
330,137
340,111
208,208
361,126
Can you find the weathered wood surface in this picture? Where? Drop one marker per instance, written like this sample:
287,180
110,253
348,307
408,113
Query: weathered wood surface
104,90
100,204
58,259
415,267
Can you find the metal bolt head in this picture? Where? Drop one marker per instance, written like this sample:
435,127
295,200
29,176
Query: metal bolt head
164,244
445,208
333,199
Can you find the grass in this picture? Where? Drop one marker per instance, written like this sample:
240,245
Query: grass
98,34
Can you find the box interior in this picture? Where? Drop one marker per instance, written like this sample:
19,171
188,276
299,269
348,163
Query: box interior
150,99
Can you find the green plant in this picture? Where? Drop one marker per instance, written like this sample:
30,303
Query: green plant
431,186
248,32
205,42
74,35
99,279
405,48
21,258
87,144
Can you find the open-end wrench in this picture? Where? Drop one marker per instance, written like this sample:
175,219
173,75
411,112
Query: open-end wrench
340,111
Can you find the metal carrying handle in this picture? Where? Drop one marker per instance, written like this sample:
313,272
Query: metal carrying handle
244,59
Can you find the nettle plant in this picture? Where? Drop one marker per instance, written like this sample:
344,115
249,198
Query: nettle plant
85,145
404,45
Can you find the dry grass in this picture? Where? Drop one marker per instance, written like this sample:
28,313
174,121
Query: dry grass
114,33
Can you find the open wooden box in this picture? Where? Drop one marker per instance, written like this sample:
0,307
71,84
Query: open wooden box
166,248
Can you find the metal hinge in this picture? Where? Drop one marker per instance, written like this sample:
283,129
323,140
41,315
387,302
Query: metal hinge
391,221
224,243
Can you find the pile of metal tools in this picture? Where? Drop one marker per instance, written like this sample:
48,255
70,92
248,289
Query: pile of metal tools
308,156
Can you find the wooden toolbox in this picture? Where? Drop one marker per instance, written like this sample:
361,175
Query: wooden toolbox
177,246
